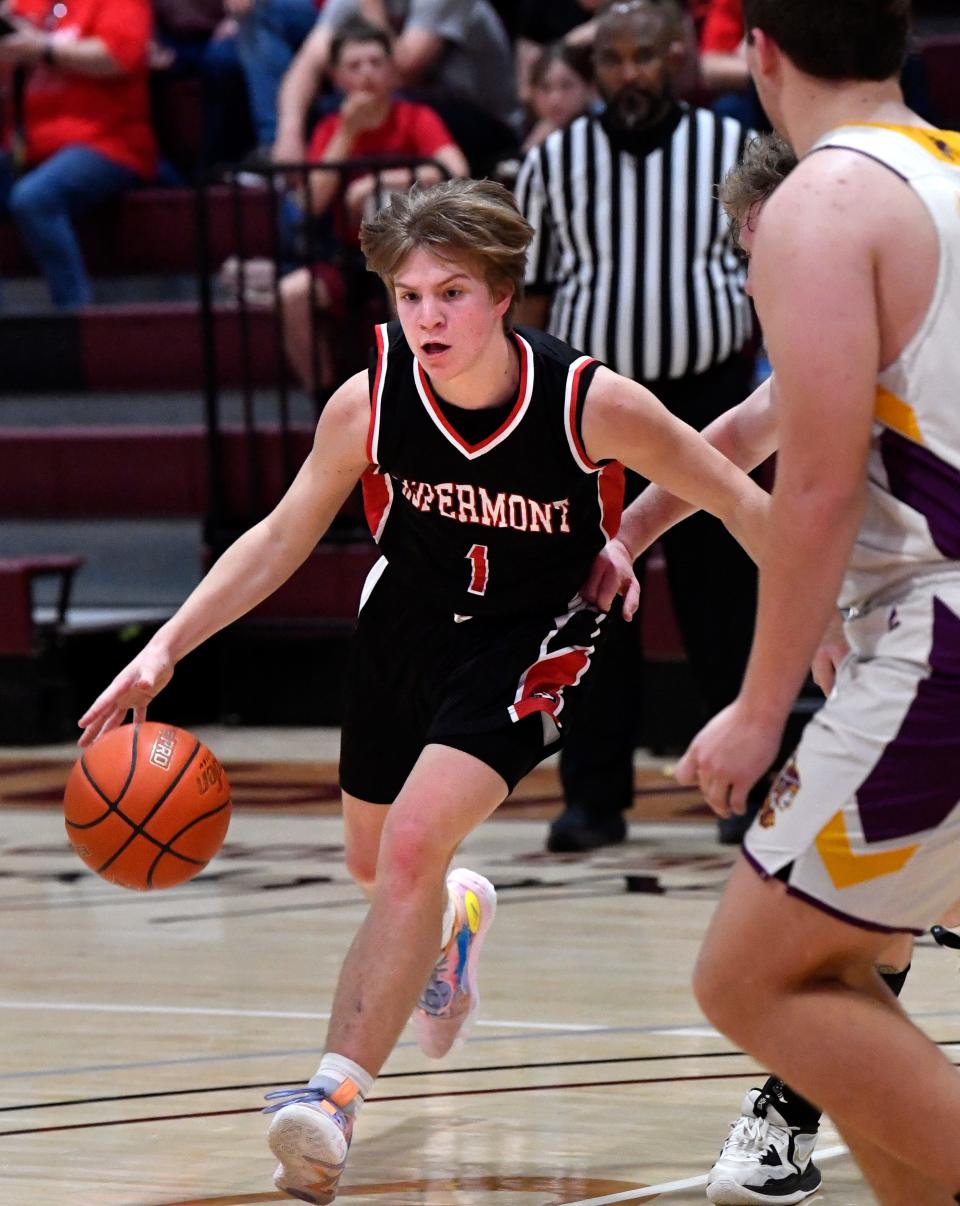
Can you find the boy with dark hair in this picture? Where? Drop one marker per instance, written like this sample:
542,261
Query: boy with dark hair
855,40
489,458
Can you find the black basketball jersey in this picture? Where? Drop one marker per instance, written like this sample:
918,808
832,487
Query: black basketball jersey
511,523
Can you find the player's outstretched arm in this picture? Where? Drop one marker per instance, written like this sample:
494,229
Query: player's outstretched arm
623,421
745,434
255,565
815,272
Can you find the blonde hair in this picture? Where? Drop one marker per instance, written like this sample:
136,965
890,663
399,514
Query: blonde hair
766,161
472,221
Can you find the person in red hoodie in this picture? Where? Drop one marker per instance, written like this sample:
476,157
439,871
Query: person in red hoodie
81,124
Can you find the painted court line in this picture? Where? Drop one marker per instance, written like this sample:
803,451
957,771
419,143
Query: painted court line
653,1191
289,1014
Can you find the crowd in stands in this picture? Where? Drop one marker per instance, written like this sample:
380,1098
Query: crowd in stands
472,84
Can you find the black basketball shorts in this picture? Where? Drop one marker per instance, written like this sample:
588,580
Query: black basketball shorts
498,687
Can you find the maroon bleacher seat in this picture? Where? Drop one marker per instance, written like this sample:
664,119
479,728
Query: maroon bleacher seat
151,230
18,632
142,472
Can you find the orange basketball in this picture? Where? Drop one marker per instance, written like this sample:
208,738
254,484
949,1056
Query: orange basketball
147,806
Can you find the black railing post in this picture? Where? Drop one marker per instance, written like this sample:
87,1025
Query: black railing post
214,518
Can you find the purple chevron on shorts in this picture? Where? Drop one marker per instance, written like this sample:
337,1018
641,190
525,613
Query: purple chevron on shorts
925,482
916,783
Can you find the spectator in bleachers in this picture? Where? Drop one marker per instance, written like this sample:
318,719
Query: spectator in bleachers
541,23
196,39
723,64
269,34
561,88
370,122
82,131
453,55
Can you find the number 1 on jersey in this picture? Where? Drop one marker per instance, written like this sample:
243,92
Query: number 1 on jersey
479,569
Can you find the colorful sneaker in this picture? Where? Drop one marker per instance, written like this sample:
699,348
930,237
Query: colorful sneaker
449,1002
763,1159
310,1136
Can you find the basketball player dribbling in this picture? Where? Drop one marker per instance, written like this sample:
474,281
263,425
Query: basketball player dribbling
856,276
490,462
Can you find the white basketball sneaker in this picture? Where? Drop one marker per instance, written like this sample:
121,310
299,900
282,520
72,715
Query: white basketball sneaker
763,1159
310,1136
448,1004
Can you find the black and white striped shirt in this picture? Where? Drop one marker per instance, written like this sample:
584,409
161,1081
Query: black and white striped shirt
635,248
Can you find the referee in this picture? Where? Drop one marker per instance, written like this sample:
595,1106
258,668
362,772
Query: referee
631,263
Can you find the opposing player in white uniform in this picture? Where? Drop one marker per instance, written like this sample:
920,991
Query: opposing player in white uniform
856,275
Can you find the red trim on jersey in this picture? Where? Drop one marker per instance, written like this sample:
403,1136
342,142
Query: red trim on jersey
544,682
610,485
574,411
514,410
375,398
377,497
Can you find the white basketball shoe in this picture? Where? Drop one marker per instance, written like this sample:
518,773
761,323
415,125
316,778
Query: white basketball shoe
763,1159
310,1136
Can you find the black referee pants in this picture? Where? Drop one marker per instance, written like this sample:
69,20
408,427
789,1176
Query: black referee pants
713,584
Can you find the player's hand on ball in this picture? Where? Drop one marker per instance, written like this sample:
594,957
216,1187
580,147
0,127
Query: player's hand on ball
133,688
610,575
728,756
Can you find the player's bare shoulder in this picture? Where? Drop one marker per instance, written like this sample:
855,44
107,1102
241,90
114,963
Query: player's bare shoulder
828,197
837,195
351,400
346,416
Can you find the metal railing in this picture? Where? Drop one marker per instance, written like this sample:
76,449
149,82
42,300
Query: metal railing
269,213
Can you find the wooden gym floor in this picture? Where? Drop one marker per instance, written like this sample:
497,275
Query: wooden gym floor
139,1032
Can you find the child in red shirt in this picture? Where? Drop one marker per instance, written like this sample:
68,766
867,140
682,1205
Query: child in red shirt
370,123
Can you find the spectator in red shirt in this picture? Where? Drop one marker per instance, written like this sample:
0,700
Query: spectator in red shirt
722,59
370,123
723,64
84,133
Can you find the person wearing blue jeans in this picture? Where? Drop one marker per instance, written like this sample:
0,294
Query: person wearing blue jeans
43,203
270,34
81,122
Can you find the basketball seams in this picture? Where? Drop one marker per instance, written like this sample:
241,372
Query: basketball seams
138,827
111,804
167,848
111,848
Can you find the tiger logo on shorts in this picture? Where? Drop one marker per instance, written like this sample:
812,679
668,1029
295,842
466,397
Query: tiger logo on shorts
781,794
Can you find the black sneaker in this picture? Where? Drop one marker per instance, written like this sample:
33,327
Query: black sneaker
576,829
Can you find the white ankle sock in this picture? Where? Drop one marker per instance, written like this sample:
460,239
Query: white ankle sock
449,919
337,1073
